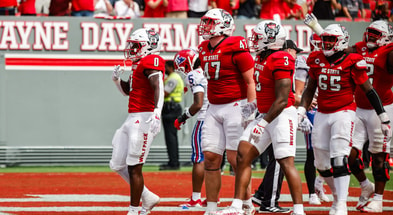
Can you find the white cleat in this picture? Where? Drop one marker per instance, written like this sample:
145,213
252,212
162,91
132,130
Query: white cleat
341,208
319,190
132,212
334,206
228,211
314,200
249,210
148,202
367,192
373,207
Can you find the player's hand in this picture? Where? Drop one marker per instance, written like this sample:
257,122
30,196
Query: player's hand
177,124
117,71
305,126
301,115
385,126
155,122
257,130
311,21
248,109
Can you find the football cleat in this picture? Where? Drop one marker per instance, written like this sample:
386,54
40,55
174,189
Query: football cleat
372,207
367,192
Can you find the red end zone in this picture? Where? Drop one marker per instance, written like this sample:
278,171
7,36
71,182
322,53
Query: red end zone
107,193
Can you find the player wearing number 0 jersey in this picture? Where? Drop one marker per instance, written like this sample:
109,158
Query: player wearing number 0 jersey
377,50
228,66
335,74
145,89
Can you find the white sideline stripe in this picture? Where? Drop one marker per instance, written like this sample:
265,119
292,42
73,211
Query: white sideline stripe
123,198
97,208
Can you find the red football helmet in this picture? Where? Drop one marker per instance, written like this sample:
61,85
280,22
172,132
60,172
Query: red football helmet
315,42
184,60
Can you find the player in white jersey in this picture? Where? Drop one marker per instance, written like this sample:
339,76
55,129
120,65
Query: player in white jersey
187,63
145,89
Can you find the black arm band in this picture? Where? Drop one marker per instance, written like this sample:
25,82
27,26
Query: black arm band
182,118
375,101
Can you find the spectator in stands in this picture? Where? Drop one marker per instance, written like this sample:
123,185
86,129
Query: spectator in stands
293,10
127,8
351,8
60,8
82,8
246,9
155,8
197,8
228,5
323,9
8,7
381,12
27,8
177,9
103,8
272,7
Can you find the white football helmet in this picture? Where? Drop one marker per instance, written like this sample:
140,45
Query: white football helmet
142,42
378,33
267,35
335,38
216,22
315,42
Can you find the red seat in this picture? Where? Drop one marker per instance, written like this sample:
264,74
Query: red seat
373,4
342,19
362,20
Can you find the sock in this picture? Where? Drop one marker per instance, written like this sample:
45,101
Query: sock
330,183
211,206
342,186
378,197
196,196
298,209
145,191
248,202
237,203
364,183
133,209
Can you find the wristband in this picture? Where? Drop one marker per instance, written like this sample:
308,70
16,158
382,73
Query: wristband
187,113
301,110
384,118
262,123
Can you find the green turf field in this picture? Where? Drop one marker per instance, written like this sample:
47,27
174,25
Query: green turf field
257,173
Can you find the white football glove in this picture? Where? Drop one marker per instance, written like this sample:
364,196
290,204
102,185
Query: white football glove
248,109
257,130
155,122
305,126
312,22
301,115
385,126
117,71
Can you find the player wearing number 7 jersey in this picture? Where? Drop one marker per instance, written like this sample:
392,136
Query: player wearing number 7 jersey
377,50
336,75
228,66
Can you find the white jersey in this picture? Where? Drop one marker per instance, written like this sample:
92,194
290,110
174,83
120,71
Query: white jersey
197,82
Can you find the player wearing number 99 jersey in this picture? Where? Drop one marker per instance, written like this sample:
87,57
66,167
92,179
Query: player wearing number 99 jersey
228,66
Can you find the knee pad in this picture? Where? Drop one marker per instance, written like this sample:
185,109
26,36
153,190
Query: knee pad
381,174
326,173
340,166
358,166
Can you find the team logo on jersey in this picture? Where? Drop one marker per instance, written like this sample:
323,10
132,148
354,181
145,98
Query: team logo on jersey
271,30
137,122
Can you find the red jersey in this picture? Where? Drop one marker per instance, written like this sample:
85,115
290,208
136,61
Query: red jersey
337,81
159,11
81,5
278,65
273,7
379,76
141,96
223,66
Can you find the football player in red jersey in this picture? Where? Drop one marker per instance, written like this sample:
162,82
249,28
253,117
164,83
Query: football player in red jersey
377,50
228,66
277,121
336,74
145,89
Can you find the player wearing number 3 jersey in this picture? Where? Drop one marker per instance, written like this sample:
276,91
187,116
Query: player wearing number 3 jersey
228,66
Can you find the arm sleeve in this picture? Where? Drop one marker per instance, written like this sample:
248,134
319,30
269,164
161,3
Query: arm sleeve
375,101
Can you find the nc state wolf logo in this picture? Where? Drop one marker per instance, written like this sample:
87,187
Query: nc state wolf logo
153,38
271,30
